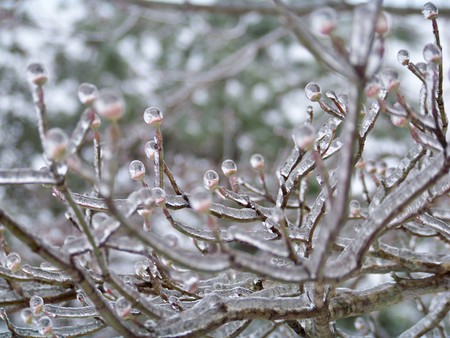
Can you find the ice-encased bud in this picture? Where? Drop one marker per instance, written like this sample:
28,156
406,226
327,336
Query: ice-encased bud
430,11
355,208
36,305
37,74
123,308
211,180
403,57
313,92
399,121
331,95
56,142
229,168
200,200
45,326
422,66
382,24
87,93
390,79
304,136
370,167
432,53
110,105
27,316
151,149
153,116
159,196
323,20
257,162
361,326
381,168
96,122
136,170
343,100
373,87
12,262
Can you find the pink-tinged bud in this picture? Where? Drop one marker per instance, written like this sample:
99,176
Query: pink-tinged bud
136,170
304,136
257,162
153,117
201,200
382,24
87,93
432,53
56,142
403,57
12,262
211,180
313,92
229,168
324,20
399,121
110,105
430,11
37,74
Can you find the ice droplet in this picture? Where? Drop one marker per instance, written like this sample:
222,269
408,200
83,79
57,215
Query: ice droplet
110,105
136,170
27,316
159,196
211,180
200,200
56,142
12,261
390,79
257,162
382,24
87,93
229,168
355,208
324,20
141,269
37,74
432,53
151,149
373,87
430,11
123,308
153,117
331,95
304,136
36,304
45,326
313,92
403,57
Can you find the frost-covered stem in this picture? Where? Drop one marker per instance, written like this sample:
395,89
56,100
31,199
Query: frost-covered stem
97,155
159,159
324,176
41,113
213,226
111,164
263,182
431,320
440,91
337,218
413,68
287,240
234,183
80,276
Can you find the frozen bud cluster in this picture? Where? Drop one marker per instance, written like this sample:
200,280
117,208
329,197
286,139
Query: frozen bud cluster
110,105
153,117
304,136
151,149
12,261
324,20
200,200
403,57
432,53
87,93
313,92
56,142
229,168
136,170
211,180
430,11
37,74
257,162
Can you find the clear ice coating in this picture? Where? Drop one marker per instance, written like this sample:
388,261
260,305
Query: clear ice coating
123,307
211,180
151,149
313,92
304,136
159,196
257,162
430,11
110,104
229,168
56,142
87,93
27,316
12,261
36,304
432,53
323,20
200,199
403,57
153,116
136,170
390,79
37,74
